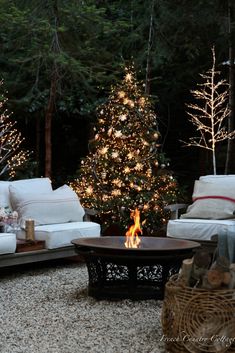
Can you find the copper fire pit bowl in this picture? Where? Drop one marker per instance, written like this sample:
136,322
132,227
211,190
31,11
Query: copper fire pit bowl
117,272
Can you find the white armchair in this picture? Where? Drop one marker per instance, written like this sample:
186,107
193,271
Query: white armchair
211,216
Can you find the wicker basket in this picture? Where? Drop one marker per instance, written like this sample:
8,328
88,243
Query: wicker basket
197,320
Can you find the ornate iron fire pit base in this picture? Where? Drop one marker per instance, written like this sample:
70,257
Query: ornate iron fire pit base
116,272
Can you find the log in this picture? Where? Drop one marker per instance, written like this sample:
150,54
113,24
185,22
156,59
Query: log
215,278
201,262
221,264
185,271
232,272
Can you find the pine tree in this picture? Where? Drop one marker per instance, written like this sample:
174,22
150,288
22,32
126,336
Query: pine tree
11,155
121,171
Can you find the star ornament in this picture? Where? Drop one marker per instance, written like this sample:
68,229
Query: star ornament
117,182
123,117
127,170
115,154
139,166
130,155
116,192
121,94
118,133
128,77
104,150
89,190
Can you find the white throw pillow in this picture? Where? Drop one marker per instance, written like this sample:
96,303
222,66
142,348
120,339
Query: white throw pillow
34,185
212,201
59,206
4,194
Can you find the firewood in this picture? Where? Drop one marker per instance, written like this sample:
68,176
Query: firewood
202,259
227,278
221,264
232,272
215,278
185,271
200,266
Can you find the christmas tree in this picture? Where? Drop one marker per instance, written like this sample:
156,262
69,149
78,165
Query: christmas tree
11,156
121,171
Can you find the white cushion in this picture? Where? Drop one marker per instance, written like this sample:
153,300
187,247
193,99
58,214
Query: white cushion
34,185
201,229
58,206
212,201
60,235
4,194
218,178
7,243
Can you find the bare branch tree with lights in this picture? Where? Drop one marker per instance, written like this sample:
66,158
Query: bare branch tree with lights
11,155
211,115
121,171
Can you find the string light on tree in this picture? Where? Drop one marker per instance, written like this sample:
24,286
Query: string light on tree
211,114
11,155
127,154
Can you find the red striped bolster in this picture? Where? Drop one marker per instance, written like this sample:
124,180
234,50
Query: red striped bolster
214,197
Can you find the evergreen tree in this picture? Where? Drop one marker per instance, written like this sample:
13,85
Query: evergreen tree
121,171
11,155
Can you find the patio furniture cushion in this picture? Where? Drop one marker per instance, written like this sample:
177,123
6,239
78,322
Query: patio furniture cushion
59,206
219,179
7,243
201,229
35,185
60,235
212,200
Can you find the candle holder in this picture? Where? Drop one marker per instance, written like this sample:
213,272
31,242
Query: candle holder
29,228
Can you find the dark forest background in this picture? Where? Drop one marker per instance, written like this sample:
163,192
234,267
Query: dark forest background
59,59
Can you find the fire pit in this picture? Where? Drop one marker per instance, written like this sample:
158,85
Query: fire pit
118,272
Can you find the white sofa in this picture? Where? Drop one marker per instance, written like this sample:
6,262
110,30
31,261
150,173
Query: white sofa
58,215
211,214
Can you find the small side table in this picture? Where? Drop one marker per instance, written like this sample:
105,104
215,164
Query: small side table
29,245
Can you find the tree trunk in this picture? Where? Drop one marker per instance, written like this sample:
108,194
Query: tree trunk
52,98
147,75
230,147
48,123
38,143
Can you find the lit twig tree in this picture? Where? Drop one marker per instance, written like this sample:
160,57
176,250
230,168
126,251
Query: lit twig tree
210,117
121,171
11,156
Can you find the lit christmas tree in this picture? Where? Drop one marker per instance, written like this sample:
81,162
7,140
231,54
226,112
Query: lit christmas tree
11,156
120,172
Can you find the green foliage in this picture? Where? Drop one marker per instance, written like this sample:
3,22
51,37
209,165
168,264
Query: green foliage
95,38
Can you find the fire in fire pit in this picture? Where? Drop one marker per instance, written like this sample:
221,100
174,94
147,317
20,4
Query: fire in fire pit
132,238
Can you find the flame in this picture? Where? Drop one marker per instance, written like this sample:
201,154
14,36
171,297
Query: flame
132,239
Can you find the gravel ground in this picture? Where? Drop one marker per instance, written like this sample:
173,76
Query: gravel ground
47,310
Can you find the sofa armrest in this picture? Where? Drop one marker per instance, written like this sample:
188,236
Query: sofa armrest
174,209
89,213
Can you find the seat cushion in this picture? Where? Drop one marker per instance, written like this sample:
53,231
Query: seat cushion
201,229
60,235
7,243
